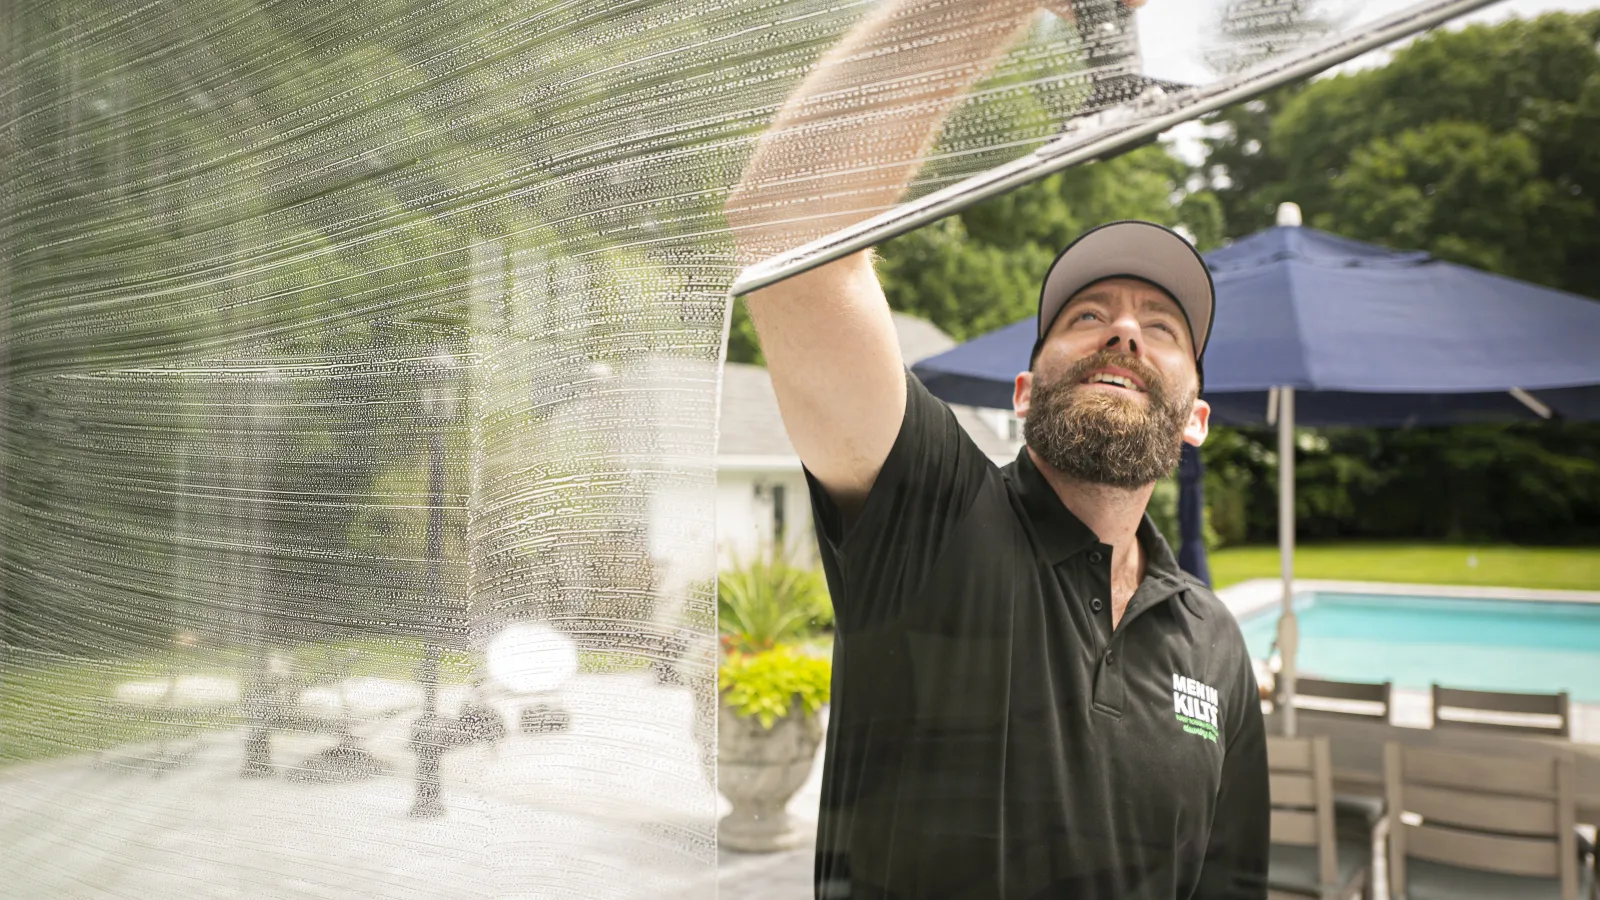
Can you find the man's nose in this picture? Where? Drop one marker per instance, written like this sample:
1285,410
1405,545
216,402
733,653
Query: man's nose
1124,336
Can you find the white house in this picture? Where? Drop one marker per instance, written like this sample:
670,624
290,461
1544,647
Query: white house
761,492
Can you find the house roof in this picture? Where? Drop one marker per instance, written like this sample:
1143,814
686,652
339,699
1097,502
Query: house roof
919,338
750,429
749,423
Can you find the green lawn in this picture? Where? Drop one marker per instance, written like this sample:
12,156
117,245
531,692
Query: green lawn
1560,568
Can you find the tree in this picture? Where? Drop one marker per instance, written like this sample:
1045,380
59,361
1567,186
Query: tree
1246,179
1480,145
1464,192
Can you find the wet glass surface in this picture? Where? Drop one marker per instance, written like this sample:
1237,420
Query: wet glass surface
361,370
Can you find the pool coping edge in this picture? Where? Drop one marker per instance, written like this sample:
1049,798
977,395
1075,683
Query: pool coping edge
1249,597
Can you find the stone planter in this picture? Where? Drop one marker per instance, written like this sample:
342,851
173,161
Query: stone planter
759,770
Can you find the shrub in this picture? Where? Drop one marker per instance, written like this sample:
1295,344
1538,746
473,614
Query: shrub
769,601
765,685
1163,509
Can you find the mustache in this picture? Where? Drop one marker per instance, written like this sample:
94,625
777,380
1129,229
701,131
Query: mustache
1145,372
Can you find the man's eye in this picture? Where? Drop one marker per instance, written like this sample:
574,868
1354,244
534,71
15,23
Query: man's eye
1087,314
1165,327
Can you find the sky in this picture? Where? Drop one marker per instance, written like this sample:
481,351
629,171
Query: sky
1173,35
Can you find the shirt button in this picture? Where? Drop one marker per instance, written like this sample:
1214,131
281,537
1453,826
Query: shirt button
1096,605
1095,557
1111,658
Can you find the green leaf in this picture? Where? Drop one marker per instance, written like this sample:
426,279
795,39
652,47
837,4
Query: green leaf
768,685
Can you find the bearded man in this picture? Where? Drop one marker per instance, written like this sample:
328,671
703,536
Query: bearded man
1030,699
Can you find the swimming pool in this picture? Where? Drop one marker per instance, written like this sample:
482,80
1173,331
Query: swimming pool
1506,645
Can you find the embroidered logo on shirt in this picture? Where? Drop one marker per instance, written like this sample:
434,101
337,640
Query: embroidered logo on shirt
1196,706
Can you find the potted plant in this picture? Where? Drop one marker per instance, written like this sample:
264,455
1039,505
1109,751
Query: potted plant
768,731
768,696
768,601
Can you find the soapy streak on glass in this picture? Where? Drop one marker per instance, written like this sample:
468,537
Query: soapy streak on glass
339,339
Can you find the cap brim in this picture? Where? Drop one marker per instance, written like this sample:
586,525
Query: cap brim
1133,249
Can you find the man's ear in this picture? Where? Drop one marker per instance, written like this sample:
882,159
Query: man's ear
1022,394
1199,424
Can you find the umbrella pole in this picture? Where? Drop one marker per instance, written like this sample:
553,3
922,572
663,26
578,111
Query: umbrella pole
1288,627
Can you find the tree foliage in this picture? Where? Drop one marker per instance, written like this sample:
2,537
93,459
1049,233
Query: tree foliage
1481,146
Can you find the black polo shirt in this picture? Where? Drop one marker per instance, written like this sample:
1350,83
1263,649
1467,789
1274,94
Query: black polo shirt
991,734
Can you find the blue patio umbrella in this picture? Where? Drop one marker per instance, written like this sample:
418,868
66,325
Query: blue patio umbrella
1192,516
1365,335
1324,330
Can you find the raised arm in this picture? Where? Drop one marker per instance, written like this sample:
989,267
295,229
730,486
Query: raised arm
844,147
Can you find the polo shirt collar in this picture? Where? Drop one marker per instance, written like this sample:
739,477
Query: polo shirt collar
1162,574
1064,535
1159,561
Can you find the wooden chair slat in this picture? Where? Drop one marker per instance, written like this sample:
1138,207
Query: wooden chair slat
1483,812
1442,768
1500,701
1292,790
1343,690
1556,705
1484,852
1294,827
1288,754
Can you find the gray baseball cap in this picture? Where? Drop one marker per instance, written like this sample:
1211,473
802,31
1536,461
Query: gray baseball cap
1132,249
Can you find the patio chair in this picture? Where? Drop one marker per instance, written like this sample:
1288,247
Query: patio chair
1463,827
1358,700
1539,714
1361,701
1307,857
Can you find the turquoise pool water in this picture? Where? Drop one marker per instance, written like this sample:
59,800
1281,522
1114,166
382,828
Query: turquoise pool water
1505,645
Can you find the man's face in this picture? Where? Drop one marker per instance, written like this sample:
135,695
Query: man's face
1112,396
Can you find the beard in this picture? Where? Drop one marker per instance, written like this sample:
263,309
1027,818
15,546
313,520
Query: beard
1104,437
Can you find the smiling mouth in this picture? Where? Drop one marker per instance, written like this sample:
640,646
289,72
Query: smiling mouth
1120,381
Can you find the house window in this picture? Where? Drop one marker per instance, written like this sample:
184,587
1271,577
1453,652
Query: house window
773,496
777,516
